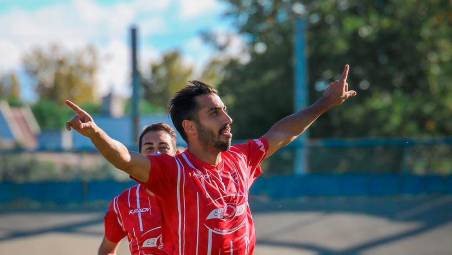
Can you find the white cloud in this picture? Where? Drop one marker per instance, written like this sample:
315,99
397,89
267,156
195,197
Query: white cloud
89,11
194,8
196,53
10,56
152,6
152,25
79,23
235,45
115,69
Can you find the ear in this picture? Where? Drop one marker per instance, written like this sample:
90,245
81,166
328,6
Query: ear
189,128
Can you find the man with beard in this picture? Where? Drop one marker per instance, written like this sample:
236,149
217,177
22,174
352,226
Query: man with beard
204,190
136,213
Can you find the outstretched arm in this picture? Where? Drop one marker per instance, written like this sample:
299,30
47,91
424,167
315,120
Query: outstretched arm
289,128
115,152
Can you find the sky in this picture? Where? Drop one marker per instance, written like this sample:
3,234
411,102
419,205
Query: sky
74,24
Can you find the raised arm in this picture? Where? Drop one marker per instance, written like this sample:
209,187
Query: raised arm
115,152
289,128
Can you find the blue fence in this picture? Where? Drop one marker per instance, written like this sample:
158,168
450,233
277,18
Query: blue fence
341,167
277,187
351,185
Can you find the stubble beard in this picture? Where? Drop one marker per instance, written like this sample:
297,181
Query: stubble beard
208,137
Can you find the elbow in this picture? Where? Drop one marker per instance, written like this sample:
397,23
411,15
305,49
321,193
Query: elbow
124,165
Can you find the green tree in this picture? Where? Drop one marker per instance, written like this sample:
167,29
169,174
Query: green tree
168,76
400,55
213,72
10,89
61,74
50,115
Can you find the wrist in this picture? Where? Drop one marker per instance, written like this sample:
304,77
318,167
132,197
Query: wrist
95,132
324,104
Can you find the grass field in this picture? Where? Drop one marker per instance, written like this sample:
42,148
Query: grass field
360,225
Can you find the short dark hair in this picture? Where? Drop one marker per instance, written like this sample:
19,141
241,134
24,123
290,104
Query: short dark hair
158,127
183,106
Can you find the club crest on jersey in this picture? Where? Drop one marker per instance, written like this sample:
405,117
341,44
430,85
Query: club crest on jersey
153,242
139,210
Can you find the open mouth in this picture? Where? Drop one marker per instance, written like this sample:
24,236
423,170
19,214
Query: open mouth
226,131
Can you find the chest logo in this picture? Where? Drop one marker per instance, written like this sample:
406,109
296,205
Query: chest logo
139,210
227,212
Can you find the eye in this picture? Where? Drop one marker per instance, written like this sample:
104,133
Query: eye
164,149
149,150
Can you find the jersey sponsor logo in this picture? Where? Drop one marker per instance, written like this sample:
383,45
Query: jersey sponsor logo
228,212
228,215
139,210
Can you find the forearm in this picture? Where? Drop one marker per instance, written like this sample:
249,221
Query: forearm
117,154
105,252
112,150
289,128
107,248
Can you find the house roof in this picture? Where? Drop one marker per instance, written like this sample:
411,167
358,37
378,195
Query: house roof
18,126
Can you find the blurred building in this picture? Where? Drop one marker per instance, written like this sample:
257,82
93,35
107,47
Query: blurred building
113,105
18,127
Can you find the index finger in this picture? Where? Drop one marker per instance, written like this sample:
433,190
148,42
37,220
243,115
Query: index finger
74,107
345,73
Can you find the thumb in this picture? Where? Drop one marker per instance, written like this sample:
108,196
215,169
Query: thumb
351,93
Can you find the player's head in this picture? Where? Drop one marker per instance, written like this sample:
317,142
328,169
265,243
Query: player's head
199,115
157,138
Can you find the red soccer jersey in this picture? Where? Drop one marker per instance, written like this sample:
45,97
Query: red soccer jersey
137,214
205,207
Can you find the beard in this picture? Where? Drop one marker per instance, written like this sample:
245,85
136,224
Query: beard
209,137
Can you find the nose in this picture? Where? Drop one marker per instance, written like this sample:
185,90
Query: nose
228,118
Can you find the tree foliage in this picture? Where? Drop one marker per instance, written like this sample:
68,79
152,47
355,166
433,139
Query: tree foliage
10,89
171,74
52,116
400,55
61,74
167,77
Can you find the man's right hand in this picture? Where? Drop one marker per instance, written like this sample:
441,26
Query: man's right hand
82,122
114,151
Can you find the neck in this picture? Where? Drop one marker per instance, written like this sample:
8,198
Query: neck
210,155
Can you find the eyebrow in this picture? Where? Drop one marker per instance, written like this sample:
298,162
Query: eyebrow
148,143
217,108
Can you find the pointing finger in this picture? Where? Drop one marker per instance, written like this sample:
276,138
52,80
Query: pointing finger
345,73
75,107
